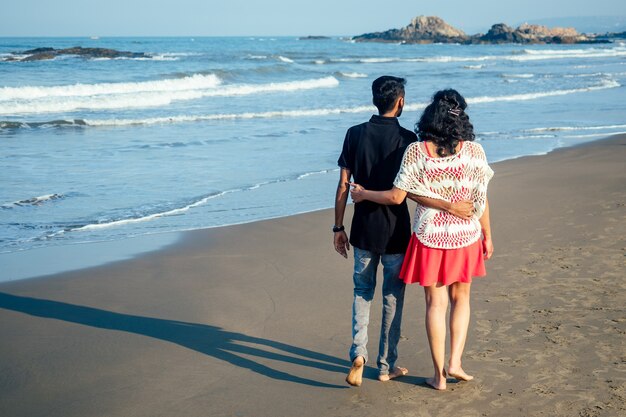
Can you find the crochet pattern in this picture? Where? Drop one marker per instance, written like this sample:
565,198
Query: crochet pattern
462,176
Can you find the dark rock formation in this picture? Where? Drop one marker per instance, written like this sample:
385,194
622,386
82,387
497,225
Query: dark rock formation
533,34
429,29
313,38
608,36
422,29
40,54
500,33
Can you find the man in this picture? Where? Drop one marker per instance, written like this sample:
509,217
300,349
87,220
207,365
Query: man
372,154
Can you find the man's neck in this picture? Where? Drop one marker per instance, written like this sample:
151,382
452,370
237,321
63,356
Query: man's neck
390,114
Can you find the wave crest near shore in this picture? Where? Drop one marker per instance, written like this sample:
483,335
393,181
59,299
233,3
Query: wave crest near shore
604,84
57,99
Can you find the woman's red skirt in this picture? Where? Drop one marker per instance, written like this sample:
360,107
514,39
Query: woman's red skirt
429,266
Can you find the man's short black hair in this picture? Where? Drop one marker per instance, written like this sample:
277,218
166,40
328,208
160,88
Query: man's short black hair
385,92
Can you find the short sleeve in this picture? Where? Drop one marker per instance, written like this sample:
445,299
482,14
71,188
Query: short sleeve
410,177
487,171
406,177
345,159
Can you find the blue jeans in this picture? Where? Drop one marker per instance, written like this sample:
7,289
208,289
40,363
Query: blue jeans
365,266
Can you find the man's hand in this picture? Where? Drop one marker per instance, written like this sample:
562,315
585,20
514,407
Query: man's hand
357,192
487,247
462,209
342,245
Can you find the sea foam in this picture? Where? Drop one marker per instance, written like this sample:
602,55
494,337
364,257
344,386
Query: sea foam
34,201
185,208
524,55
573,128
197,81
57,99
604,84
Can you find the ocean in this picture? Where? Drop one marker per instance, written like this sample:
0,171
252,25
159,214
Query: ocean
207,132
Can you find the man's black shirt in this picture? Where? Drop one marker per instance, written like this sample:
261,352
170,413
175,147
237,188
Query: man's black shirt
373,152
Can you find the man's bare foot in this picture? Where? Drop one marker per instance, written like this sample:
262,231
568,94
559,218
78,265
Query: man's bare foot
459,374
438,382
395,372
355,376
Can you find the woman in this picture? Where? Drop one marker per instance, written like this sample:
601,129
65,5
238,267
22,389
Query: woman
445,251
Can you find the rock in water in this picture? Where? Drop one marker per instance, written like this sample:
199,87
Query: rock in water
500,33
422,29
313,38
530,34
40,54
430,29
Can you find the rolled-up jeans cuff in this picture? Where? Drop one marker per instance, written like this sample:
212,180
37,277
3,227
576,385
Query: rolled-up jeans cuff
357,354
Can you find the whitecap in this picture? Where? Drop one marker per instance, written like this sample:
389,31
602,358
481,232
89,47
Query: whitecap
181,210
34,201
606,84
574,128
594,135
352,74
145,95
196,81
518,75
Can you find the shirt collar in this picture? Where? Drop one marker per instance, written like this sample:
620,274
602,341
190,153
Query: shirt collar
384,120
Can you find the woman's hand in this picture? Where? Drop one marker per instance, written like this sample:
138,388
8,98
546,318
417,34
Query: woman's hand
487,247
357,192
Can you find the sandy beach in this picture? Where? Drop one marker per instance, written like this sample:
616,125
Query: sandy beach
254,320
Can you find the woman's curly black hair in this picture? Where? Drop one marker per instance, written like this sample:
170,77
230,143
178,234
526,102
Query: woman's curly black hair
445,122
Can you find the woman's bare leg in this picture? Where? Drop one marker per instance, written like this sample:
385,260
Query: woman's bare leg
436,307
459,293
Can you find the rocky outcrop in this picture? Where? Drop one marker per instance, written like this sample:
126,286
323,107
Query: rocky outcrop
530,34
40,54
500,33
313,38
609,36
431,29
422,29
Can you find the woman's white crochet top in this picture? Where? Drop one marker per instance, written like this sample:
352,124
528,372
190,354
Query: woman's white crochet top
462,176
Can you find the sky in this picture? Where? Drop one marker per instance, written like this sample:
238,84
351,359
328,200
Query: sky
273,17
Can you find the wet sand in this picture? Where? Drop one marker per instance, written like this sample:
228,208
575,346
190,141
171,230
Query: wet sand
254,320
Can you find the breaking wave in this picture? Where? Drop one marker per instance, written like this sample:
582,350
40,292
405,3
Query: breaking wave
23,100
351,74
605,84
146,217
34,201
197,81
575,128
524,55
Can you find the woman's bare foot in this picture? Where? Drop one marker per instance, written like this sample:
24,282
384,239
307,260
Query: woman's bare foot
355,376
438,382
459,374
395,372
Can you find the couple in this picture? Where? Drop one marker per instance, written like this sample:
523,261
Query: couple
447,174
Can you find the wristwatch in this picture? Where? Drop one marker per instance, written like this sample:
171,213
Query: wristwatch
338,229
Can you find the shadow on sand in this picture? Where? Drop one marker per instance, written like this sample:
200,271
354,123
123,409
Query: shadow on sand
210,340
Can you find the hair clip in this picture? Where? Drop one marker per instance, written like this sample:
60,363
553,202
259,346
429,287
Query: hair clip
455,112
